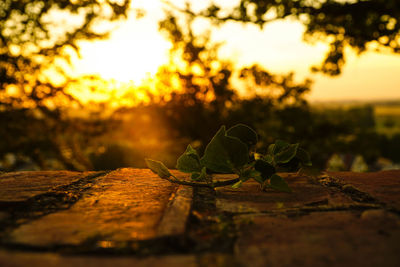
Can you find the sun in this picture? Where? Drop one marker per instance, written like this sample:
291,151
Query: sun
134,51
130,58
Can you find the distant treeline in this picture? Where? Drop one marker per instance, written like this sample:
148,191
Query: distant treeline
348,132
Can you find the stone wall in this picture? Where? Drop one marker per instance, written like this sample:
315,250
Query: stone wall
131,217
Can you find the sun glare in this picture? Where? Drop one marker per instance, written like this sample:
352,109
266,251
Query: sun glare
125,58
136,50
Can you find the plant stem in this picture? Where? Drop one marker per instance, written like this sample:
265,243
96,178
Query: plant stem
227,182
202,184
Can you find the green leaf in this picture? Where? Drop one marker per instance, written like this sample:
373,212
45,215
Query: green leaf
277,183
244,133
191,151
158,168
279,146
189,161
225,153
271,149
259,179
265,168
251,173
304,157
200,176
237,184
286,154
268,158
247,174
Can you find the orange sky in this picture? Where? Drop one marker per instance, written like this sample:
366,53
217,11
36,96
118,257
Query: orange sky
137,49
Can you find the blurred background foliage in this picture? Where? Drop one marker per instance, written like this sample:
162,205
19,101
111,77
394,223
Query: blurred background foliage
37,40
43,126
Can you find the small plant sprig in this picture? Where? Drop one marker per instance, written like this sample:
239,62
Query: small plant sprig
233,151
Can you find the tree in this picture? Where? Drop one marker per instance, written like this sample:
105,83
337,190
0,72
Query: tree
341,23
204,96
275,105
199,78
37,40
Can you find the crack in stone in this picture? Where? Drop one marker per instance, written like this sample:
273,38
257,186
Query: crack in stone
305,210
97,245
209,230
62,198
59,198
348,189
354,193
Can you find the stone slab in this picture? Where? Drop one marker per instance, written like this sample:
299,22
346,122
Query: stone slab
340,238
32,259
124,205
175,216
306,192
23,259
20,186
383,186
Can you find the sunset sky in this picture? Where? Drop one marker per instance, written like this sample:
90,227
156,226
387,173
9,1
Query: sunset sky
136,50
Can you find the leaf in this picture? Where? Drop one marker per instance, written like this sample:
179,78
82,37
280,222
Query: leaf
279,145
304,157
277,183
189,161
200,176
286,154
237,184
259,179
265,169
225,153
251,174
247,174
244,133
268,158
191,151
158,168
271,149
292,166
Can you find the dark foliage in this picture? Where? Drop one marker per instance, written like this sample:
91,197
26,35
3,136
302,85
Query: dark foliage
37,39
344,23
205,92
276,107
34,108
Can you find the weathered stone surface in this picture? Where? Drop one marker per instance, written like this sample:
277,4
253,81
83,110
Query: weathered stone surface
21,259
384,185
124,205
129,209
20,186
175,216
369,238
250,198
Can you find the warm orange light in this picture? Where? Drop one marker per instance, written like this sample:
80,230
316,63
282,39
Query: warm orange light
136,50
123,59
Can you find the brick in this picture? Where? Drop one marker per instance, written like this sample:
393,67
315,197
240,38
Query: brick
341,238
22,259
250,198
20,186
383,186
175,216
124,205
